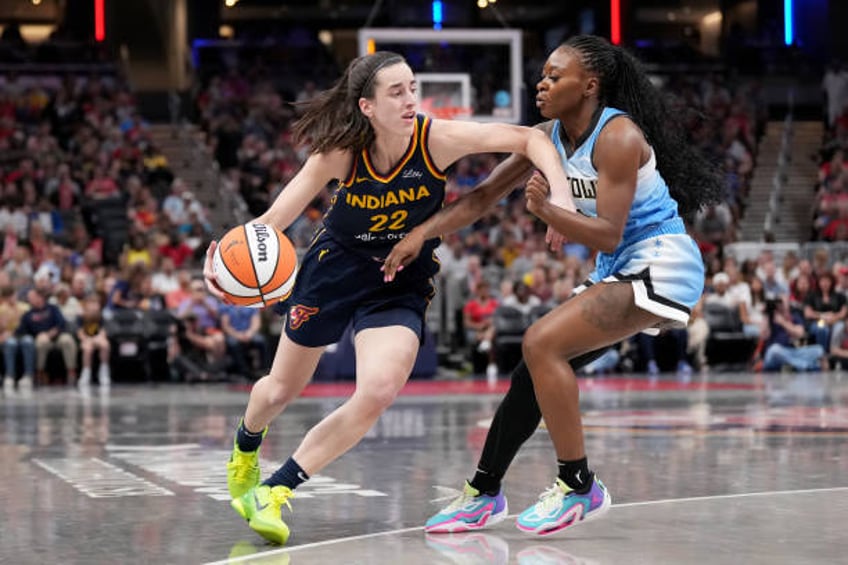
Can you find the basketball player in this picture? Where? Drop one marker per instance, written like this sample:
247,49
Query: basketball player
630,172
389,163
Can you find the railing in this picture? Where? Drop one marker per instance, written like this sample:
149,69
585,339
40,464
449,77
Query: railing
228,198
780,176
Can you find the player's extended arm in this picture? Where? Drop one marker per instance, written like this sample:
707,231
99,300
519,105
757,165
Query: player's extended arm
316,173
463,211
618,155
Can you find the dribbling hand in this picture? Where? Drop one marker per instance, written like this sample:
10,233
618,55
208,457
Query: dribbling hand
209,274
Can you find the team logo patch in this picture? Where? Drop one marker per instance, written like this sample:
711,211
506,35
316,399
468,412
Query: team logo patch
299,314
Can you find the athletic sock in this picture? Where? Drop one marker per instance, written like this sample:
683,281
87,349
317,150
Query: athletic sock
486,482
289,475
247,440
576,475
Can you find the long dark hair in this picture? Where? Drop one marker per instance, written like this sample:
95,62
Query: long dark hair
332,119
692,180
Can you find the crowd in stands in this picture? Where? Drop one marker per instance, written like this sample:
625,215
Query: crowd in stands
75,149
830,206
94,225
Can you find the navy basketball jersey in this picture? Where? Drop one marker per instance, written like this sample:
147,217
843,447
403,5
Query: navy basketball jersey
370,212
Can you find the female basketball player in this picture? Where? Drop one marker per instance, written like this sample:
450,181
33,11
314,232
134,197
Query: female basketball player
630,172
388,161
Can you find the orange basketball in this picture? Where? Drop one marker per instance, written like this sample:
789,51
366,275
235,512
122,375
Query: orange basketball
255,265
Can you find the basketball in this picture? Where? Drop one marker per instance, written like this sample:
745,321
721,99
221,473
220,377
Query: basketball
255,265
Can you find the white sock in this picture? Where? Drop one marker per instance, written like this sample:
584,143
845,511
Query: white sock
85,376
104,375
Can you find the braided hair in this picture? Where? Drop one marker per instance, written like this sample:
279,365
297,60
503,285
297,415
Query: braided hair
332,120
693,181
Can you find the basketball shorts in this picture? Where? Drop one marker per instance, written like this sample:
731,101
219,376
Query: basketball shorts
666,271
336,286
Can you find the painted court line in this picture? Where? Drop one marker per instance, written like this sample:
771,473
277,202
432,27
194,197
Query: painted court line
282,550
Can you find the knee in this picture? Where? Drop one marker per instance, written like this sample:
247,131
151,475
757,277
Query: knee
377,396
280,393
538,344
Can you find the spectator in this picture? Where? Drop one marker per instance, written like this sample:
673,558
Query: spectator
11,312
784,345
93,340
175,298
164,278
199,313
45,325
477,318
824,309
241,331
68,304
647,350
521,299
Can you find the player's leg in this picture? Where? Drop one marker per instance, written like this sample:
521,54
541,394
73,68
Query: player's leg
384,360
602,315
515,421
291,370
261,505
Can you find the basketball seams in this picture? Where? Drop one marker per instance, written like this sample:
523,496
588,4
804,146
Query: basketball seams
280,268
253,264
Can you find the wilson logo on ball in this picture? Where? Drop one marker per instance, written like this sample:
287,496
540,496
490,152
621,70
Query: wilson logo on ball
255,265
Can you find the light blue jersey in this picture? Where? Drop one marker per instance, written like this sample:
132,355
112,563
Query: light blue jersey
652,204
655,254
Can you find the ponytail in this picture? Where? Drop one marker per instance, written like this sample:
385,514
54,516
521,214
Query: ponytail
332,120
693,181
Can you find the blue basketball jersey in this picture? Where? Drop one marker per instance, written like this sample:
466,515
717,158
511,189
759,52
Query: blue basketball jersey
370,212
652,204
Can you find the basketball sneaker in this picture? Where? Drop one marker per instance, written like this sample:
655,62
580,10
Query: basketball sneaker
262,508
560,507
243,469
471,510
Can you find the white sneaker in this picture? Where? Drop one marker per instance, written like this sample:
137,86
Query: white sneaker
25,384
484,346
104,376
492,373
85,378
8,386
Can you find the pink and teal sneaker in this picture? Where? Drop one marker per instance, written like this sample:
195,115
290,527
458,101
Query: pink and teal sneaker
560,507
471,510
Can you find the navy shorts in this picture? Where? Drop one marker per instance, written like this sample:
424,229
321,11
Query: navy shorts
336,286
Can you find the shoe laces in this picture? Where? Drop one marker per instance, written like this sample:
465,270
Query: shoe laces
280,496
551,498
244,465
466,498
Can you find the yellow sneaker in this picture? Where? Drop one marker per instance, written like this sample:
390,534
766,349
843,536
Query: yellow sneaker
243,470
262,508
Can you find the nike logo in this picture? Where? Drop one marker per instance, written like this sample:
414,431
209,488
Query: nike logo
362,179
259,506
577,475
322,253
302,476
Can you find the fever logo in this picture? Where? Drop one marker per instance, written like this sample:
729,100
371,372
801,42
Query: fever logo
299,314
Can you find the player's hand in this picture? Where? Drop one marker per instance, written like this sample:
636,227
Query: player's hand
536,192
555,240
402,254
209,274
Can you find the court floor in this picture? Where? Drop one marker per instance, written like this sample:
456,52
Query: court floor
728,468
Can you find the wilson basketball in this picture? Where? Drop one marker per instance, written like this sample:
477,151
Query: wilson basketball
255,265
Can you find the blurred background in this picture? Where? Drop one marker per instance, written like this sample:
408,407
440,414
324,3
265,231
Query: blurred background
133,133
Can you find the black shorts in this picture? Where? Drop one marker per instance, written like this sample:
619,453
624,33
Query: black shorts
336,286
